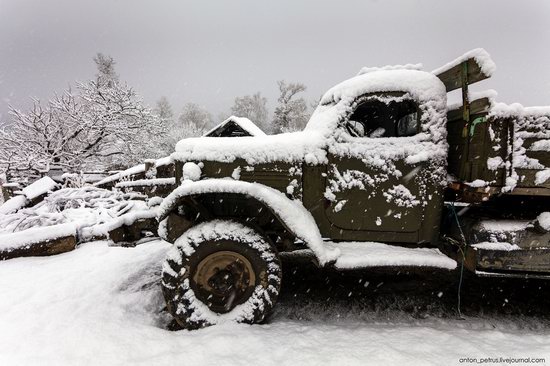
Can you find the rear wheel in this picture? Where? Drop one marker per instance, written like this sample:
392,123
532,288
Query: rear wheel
220,271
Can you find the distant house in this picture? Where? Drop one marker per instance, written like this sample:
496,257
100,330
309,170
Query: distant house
235,127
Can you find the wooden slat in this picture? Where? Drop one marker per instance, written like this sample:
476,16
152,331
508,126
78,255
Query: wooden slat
481,105
452,77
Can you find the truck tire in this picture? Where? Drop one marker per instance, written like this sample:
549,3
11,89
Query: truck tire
220,271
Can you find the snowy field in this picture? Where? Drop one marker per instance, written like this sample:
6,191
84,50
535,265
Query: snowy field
102,305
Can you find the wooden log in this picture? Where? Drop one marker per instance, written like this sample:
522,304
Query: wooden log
44,248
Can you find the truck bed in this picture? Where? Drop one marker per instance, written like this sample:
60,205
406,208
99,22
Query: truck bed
503,149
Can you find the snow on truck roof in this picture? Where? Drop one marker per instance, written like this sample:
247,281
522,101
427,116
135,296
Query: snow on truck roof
422,85
365,70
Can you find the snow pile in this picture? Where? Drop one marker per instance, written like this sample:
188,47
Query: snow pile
481,57
292,213
80,208
541,145
544,220
103,305
542,177
13,204
191,171
39,188
242,122
34,190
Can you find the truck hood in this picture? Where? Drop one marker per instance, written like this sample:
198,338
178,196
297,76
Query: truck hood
309,147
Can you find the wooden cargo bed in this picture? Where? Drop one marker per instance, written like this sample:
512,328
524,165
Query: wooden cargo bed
494,148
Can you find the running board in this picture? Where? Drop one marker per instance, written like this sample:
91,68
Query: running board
522,275
362,255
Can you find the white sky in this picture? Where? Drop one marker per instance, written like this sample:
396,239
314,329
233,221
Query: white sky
208,52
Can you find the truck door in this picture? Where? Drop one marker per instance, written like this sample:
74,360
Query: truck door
376,178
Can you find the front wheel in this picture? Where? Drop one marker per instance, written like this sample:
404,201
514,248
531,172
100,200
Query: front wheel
220,271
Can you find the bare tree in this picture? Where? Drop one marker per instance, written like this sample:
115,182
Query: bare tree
106,73
253,107
194,114
104,123
193,121
164,112
291,112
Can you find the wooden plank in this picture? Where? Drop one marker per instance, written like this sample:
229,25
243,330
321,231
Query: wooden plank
45,248
452,78
478,106
530,260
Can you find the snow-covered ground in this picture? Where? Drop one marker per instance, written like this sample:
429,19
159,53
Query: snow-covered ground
102,305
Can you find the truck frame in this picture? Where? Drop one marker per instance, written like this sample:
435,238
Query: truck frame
384,174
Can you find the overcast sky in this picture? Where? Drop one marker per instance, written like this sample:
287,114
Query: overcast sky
208,52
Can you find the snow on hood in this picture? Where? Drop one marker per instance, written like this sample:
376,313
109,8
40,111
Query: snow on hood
286,147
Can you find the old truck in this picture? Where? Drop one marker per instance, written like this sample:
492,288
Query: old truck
384,174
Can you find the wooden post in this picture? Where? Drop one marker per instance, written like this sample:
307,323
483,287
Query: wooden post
466,165
465,96
150,169
8,190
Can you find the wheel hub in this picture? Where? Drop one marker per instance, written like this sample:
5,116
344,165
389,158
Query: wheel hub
224,280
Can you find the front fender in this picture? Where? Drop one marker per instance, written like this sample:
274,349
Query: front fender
292,214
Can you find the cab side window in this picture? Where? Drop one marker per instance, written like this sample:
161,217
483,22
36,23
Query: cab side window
374,118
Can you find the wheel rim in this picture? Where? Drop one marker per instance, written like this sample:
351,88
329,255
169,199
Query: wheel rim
224,280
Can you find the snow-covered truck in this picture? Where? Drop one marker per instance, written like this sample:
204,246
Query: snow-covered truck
384,174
